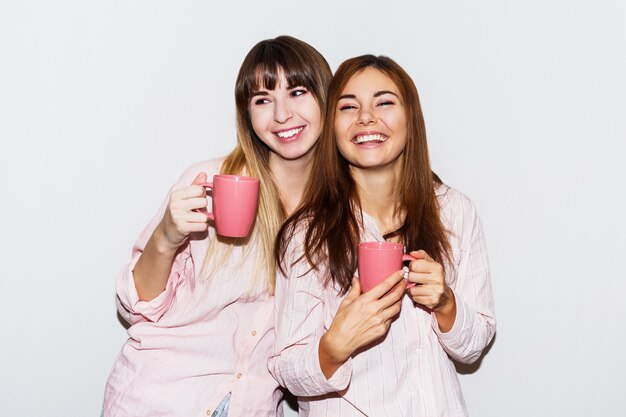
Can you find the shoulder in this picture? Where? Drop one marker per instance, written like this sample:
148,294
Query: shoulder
452,200
458,214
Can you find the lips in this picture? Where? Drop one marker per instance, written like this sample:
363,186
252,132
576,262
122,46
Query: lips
288,135
369,138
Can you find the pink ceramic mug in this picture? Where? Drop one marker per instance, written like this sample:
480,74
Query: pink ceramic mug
235,201
378,260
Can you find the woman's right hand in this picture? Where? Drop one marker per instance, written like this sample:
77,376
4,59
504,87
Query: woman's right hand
181,218
360,320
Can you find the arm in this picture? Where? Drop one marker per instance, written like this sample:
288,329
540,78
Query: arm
474,325
153,268
431,290
360,320
300,310
310,359
147,285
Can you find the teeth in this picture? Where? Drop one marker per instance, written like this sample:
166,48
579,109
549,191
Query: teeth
289,133
370,138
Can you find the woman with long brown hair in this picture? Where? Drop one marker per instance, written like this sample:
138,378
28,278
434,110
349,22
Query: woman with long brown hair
379,353
200,307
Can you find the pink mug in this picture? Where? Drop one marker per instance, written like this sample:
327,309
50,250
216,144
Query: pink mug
378,260
235,201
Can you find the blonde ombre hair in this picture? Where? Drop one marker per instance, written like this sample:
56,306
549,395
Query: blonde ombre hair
266,62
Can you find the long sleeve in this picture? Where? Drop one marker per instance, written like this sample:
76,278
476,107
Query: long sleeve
128,304
182,272
301,312
475,324
201,339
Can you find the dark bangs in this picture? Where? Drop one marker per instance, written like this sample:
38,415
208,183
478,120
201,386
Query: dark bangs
263,67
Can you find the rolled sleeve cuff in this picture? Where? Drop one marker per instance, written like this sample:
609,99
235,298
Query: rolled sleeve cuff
453,338
340,379
154,309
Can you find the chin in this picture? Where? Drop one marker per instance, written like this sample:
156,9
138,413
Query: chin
368,164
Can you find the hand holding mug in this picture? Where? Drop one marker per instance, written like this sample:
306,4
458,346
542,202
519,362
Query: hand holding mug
180,217
430,289
363,318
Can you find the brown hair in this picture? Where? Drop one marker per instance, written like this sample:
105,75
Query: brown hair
331,212
302,65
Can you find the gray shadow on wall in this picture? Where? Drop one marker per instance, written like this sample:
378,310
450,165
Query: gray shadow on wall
290,401
470,368
123,322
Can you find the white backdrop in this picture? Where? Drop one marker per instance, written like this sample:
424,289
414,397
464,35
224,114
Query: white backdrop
103,104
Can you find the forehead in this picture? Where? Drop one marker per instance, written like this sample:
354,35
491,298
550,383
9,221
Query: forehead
368,82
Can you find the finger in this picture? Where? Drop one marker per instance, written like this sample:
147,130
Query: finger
417,292
427,297
354,292
188,192
421,254
421,265
196,217
200,178
421,278
427,301
197,227
390,319
392,296
193,203
391,311
385,286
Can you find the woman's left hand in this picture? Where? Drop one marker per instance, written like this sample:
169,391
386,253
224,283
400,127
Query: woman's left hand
431,290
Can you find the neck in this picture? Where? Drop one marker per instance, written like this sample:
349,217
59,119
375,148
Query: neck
291,177
379,195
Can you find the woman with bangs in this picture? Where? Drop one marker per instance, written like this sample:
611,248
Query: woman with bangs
388,351
200,306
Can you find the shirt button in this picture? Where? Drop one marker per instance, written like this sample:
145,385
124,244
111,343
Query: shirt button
239,376
253,332
208,412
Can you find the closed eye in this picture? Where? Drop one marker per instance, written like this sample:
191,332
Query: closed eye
346,107
385,103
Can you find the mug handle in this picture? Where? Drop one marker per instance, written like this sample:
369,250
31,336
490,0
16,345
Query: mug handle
208,185
407,257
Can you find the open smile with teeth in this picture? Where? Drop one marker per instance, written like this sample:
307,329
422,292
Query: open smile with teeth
376,138
288,134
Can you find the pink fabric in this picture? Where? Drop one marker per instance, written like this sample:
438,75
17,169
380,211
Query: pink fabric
409,373
196,341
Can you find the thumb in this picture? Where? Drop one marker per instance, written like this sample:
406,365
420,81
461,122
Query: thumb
355,291
200,178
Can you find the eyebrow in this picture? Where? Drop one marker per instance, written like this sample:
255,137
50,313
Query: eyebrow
376,94
259,93
380,93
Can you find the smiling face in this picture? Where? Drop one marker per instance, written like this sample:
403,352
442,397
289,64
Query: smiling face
370,121
287,119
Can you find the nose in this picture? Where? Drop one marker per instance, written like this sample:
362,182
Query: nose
282,111
366,117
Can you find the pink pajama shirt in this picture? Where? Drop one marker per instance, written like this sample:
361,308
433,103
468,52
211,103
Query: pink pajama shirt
409,373
198,340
